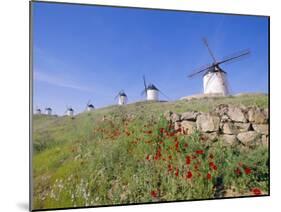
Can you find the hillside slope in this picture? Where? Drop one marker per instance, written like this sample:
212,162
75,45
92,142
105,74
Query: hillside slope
129,154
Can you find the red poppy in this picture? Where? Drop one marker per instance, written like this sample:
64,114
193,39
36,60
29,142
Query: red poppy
213,166
199,152
161,130
172,134
153,194
177,145
237,172
256,191
187,160
170,168
149,132
247,170
170,157
177,172
148,157
209,176
189,175
185,145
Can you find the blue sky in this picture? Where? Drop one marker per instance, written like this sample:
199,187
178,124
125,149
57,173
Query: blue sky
92,52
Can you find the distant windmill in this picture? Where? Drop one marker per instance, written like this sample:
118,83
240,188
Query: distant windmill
89,107
122,98
151,91
69,111
38,111
214,78
48,111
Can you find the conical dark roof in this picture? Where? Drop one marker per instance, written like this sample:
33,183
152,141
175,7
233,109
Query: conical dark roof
214,69
48,108
152,87
90,105
122,93
70,109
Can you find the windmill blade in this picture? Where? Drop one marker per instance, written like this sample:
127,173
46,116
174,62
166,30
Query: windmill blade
205,41
164,95
143,92
144,82
234,57
201,69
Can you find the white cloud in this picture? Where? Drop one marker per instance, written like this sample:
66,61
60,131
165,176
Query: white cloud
58,81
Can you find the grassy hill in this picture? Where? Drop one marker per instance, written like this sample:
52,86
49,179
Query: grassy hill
129,154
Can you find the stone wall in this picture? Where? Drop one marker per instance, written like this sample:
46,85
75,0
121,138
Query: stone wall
233,125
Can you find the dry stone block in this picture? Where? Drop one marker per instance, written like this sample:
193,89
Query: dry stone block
264,140
242,127
221,109
257,116
229,128
208,123
213,136
188,126
261,128
175,117
189,116
248,138
236,114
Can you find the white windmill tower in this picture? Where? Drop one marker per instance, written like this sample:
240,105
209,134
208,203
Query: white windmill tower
214,78
151,91
69,111
38,111
48,111
89,107
122,98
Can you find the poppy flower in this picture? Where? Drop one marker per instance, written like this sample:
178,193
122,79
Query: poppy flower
187,160
189,175
185,145
237,172
209,176
153,194
148,157
247,170
213,166
172,134
199,152
170,168
256,191
177,172
177,145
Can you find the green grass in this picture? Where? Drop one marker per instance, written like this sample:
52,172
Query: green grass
127,159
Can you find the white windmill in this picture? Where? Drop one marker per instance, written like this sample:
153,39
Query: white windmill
122,98
69,111
89,107
48,111
38,111
214,78
151,91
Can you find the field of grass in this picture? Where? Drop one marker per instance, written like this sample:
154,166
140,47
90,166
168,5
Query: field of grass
130,154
